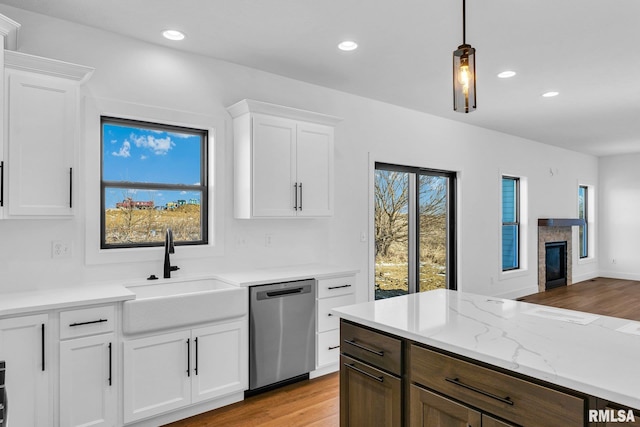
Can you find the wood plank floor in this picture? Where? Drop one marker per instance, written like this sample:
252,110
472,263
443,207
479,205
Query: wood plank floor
608,297
315,403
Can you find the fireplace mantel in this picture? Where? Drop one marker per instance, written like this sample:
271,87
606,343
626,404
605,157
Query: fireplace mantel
559,222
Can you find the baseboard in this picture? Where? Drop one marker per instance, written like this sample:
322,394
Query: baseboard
328,369
619,275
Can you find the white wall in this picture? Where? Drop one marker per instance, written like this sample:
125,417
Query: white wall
619,207
131,71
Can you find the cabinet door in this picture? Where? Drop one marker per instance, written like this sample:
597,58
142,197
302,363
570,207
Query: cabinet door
23,346
431,410
273,166
220,360
368,396
156,375
41,134
314,154
87,381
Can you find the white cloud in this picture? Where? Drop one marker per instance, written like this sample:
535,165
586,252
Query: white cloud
125,150
159,146
143,157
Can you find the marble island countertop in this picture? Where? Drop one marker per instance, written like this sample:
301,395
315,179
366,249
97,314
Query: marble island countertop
593,354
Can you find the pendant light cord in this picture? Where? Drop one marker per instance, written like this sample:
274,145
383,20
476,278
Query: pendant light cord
464,22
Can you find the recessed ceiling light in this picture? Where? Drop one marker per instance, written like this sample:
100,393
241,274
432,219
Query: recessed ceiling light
348,45
550,94
506,74
173,34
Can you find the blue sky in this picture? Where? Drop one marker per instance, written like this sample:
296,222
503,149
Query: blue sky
144,155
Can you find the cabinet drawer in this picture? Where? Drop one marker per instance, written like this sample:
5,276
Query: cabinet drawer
328,347
87,321
508,397
326,320
379,350
336,286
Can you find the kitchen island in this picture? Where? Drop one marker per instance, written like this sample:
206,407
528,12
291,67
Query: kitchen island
487,361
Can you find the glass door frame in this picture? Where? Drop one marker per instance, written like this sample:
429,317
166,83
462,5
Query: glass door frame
414,223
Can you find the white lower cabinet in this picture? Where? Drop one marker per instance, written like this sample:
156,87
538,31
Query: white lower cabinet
88,367
87,382
332,292
169,371
25,349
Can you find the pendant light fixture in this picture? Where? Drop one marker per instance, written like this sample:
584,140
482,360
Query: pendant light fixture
464,73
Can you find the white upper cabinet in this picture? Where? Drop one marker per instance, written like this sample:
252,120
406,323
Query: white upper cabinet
41,129
283,159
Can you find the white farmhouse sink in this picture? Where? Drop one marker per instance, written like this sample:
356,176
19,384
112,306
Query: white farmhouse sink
173,303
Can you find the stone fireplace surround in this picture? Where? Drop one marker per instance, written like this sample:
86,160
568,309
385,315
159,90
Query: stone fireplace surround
554,230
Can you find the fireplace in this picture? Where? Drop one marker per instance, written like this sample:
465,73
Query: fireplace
555,264
554,231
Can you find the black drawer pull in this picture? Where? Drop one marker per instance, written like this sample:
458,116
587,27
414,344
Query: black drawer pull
360,346
88,323
334,347
360,371
338,287
457,382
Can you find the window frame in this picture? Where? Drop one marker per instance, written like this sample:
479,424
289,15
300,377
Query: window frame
517,223
584,242
202,188
414,222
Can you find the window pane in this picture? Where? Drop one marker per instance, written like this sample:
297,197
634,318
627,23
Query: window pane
392,232
509,247
142,216
509,208
433,232
138,154
582,214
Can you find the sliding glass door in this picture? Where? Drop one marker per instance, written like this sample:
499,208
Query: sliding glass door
414,230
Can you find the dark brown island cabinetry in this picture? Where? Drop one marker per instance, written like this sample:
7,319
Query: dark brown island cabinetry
387,380
370,378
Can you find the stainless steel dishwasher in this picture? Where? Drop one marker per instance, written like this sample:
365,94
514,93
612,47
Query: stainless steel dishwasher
282,325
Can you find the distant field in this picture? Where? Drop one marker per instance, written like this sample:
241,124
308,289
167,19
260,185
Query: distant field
139,225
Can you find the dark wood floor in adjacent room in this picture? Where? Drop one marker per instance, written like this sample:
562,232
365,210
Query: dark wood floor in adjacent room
315,403
607,297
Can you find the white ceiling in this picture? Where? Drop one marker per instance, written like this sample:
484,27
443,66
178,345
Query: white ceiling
584,49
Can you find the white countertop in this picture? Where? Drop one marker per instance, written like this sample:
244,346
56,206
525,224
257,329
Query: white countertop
593,354
262,276
18,303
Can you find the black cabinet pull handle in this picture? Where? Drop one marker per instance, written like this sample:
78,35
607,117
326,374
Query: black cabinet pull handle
1,184
360,346
196,369
360,371
338,287
110,364
70,188
43,355
188,358
300,186
87,323
334,347
457,382
295,191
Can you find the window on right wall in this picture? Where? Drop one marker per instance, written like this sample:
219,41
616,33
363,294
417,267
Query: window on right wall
510,223
583,213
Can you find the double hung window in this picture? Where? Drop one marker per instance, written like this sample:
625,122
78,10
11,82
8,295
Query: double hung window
153,177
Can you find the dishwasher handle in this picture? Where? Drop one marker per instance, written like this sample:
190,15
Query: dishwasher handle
280,293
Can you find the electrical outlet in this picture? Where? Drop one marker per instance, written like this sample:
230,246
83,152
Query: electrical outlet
363,237
60,249
268,240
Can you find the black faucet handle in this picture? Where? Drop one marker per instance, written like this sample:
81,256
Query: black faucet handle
174,268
